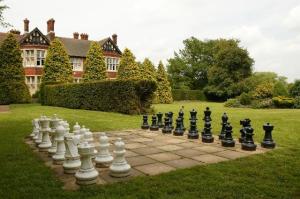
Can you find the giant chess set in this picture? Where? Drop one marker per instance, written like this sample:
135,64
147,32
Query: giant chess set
155,148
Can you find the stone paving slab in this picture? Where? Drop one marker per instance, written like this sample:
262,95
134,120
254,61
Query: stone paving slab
153,153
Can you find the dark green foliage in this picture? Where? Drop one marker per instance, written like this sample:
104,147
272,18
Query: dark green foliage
295,89
297,102
128,68
12,79
182,94
124,96
57,64
95,68
280,89
283,102
245,98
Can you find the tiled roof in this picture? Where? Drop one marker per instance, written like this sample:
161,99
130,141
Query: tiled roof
3,36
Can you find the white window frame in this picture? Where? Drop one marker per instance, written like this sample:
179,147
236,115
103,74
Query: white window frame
77,63
112,64
40,58
33,56
77,79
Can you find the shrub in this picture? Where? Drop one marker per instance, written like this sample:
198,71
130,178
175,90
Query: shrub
297,102
262,103
283,102
234,102
245,98
280,89
14,92
124,96
295,89
264,91
182,94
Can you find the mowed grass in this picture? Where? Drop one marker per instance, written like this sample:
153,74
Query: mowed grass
272,175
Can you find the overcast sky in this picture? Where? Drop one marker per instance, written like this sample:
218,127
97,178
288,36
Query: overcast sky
269,29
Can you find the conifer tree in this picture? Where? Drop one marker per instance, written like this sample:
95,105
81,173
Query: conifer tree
12,79
128,68
57,64
95,68
148,71
164,94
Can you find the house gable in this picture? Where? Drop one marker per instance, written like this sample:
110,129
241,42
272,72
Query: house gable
110,46
35,37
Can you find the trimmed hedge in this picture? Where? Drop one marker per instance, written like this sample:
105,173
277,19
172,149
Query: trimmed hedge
182,94
124,96
283,102
14,92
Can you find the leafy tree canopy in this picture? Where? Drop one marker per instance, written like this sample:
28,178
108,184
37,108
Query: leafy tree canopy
148,71
2,20
164,94
95,68
128,68
295,89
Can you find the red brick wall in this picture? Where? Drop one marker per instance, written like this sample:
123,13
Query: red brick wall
30,71
111,74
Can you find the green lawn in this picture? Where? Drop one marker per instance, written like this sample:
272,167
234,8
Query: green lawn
272,175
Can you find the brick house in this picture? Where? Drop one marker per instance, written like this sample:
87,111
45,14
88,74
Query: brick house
34,45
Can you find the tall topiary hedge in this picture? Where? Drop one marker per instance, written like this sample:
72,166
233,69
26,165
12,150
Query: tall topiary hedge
128,68
124,96
12,78
95,68
164,94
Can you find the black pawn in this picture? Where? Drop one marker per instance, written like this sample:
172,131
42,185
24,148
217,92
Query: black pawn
268,140
224,122
207,114
167,128
145,124
228,141
245,123
159,120
171,119
193,114
180,115
206,134
248,143
178,130
193,132
154,126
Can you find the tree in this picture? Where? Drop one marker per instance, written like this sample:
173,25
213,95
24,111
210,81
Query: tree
57,64
189,67
231,65
2,21
164,94
128,68
295,89
95,68
12,79
148,71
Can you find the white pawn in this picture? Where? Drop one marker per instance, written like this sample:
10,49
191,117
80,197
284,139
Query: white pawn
76,129
67,127
119,167
59,156
45,129
54,124
36,127
87,174
72,159
88,136
103,156
38,139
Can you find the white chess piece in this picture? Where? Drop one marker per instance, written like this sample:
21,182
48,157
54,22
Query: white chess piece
82,130
103,157
72,159
38,139
45,129
76,129
54,124
36,128
59,156
119,167
87,174
67,127
88,136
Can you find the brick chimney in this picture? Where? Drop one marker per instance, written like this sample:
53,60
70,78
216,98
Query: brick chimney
84,36
50,29
26,25
75,35
115,38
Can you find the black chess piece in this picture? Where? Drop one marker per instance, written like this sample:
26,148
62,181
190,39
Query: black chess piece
171,119
145,124
181,115
207,114
159,120
154,126
228,141
206,133
193,114
268,141
224,122
178,130
246,122
193,132
248,143
167,128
